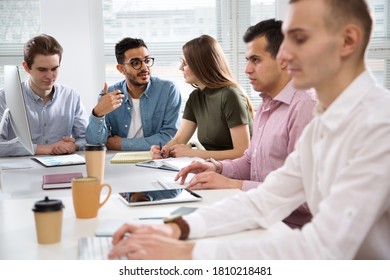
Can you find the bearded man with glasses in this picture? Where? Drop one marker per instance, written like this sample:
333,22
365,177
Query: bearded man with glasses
138,112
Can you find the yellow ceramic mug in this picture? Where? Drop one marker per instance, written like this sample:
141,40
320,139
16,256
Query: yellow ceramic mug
86,193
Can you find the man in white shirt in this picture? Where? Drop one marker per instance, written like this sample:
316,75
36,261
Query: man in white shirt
340,165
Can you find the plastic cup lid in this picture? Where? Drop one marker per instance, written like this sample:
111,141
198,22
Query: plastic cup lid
95,147
48,205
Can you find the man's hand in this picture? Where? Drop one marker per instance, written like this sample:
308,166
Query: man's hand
150,242
114,143
108,102
195,167
65,146
213,180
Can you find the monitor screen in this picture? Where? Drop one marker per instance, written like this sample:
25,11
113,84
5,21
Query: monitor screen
17,110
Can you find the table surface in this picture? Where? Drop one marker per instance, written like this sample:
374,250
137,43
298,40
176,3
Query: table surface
23,187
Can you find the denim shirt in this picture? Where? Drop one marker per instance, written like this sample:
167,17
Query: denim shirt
160,108
63,115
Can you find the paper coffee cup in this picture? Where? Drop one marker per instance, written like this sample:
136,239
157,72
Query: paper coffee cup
95,157
48,220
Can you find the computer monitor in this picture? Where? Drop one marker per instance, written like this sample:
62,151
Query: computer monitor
16,107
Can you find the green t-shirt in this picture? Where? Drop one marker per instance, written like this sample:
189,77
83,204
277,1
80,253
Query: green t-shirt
215,111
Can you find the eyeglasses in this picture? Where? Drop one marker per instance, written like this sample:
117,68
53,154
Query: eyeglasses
137,63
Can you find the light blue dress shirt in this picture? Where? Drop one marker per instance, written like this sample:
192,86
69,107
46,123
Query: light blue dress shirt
63,116
160,108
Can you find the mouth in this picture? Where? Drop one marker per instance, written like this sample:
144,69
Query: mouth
293,70
143,74
48,83
252,81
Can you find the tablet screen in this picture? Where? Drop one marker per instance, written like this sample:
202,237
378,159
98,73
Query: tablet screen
159,197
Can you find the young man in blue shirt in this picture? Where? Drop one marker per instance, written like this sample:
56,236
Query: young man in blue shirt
56,115
139,111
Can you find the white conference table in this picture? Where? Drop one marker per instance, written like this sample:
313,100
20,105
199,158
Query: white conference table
27,182
23,186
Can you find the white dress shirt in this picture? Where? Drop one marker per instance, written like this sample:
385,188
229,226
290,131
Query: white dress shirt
341,167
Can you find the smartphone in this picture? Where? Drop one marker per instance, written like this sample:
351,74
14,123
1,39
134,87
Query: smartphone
159,197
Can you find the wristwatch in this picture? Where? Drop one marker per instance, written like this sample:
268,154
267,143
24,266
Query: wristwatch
217,165
183,226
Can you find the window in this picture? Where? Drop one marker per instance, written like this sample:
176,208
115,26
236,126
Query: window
19,21
182,21
378,56
165,28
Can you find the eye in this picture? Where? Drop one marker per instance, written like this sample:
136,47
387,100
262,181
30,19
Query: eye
254,60
299,39
135,63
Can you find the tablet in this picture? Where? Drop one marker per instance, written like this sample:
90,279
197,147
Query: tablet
159,197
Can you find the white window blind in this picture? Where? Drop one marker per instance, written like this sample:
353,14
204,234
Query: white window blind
167,26
378,56
19,21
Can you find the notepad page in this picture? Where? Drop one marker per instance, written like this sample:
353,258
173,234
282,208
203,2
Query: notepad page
130,157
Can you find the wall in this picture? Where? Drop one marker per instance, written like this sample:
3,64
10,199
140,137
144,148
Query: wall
78,26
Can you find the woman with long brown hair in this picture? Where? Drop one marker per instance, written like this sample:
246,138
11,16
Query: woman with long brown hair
218,108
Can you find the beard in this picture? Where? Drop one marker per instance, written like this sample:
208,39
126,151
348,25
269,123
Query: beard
137,80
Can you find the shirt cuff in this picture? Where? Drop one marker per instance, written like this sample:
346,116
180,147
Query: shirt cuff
247,185
196,224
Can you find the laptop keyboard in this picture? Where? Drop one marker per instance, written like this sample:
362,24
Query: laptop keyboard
94,248
168,183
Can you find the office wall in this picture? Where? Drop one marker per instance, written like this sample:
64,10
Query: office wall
78,26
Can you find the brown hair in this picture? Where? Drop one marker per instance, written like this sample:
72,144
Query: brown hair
41,44
206,59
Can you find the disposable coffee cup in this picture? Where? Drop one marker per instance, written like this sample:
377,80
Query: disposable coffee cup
95,156
48,220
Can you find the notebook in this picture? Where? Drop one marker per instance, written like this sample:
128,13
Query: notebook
130,157
59,181
173,164
62,160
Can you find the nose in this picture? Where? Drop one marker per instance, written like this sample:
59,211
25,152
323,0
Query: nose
283,53
248,67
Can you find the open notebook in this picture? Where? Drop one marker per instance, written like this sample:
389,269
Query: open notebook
61,160
173,164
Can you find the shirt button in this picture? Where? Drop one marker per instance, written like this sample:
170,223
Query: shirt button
126,125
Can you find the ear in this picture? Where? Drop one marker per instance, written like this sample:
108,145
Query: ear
25,66
283,63
119,67
352,38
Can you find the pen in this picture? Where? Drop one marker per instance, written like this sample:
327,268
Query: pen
160,146
151,218
194,194
104,93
